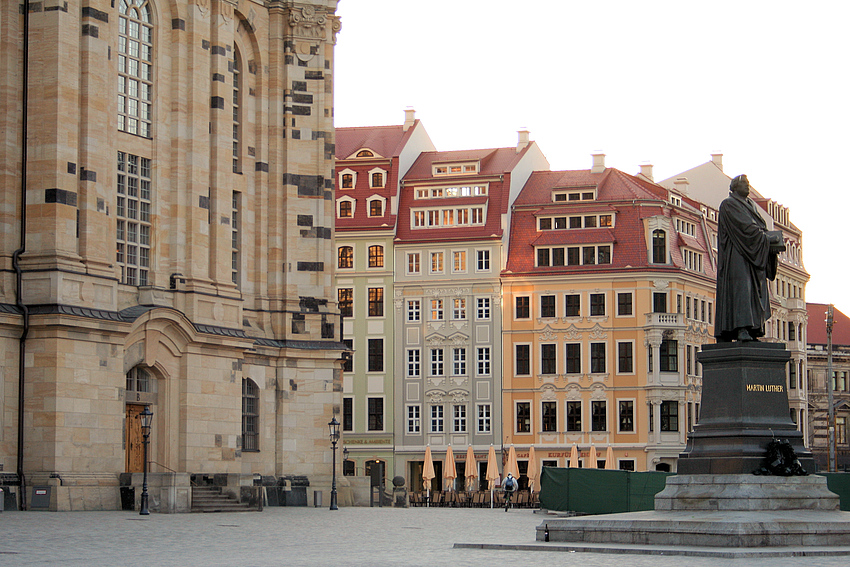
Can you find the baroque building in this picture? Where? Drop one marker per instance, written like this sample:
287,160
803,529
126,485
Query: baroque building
608,295
371,162
167,201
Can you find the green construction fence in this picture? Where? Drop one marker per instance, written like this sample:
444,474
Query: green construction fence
597,491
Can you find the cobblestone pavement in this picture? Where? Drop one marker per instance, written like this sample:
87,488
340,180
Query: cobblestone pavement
307,536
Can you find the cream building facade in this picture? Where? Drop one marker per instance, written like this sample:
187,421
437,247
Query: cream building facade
167,243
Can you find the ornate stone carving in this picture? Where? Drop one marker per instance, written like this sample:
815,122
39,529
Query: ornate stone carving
307,22
548,393
572,334
435,396
659,284
547,334
573,392
597,392
203,6
459,396
598,332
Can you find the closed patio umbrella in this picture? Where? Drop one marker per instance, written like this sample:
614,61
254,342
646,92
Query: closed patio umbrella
471,471
591,457
511,466
450,468
574,457
428,472
492,471
533,469
609,458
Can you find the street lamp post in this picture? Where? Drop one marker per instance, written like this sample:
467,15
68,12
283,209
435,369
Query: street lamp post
829,386
333,428
146,416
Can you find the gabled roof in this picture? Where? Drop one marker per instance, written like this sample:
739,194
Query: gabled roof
495,161
632,199
386,141
816,326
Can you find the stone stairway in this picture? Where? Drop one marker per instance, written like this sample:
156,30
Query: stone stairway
211,499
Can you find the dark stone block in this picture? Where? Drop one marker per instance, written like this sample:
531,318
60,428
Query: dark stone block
296,134
301,110
302,98
88,175
305,220
218,77
314,75
219,50
217,102
744,406
60,196
311,266
261,166
72,168
178,24
205,44
288,59
90,30
89,12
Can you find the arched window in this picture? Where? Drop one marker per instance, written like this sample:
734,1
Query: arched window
347,180
135,67
659,247
250,416
345,210
376,208
345,257
376,256
138,380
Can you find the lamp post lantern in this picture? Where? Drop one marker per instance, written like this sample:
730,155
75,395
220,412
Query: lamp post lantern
333,428
146,416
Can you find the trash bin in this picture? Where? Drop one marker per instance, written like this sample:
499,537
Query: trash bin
317,498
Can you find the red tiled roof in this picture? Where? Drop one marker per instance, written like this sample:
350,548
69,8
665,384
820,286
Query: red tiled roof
385,140
816,326
494,161
631,198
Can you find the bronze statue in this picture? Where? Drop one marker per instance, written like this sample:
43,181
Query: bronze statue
746,259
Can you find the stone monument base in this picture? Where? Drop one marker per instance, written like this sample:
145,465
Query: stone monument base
729,511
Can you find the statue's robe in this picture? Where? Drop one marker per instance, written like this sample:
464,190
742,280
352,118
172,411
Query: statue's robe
744,264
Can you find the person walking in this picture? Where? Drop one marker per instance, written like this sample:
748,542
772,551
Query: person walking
510,487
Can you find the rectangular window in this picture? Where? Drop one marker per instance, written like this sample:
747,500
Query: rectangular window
522,365
376,302
413,362
376,355
548,359
483,361
376,256
625,358
549,416
627,416
436,262
659,302
133,208
347,414
437,362
547,306
573,416
376,414
436,419
413,419
459,421
484,418
624,304
523,417
483,260
597,358
413,266
458,361
597,304
573,358
348,357
459,309
792,375
436,309
572,305
523,308
482,312
459,261
413,309
669,355
669,415
599,416
345,300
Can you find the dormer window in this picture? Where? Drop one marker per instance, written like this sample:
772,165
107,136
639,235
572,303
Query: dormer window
562,196
365,154
676,200
346,179
345,207
456,169
376,206
585,221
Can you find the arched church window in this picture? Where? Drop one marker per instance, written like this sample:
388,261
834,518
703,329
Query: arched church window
135,67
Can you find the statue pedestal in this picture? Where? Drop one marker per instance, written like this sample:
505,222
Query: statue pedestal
744,406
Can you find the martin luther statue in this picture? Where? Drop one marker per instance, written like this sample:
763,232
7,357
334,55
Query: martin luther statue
746,259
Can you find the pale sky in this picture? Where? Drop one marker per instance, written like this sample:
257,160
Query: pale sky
668,83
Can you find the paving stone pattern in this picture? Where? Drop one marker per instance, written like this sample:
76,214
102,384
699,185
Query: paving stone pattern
307,536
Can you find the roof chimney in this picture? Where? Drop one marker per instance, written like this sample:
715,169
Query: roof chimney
598,162
523,140
682,185
409,118
646,171
717,159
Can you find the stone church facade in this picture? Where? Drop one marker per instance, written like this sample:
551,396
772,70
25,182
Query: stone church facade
167,241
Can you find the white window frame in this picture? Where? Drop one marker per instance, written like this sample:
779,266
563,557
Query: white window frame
437,424
459,418
383,201
617,293
441,256
482,256
459,367
347,171
530,359
484,363
634,416
482,308
414,310
634,357
347,199
459,309
461,254
414,419
438,362
438,309
484,418
417,258
530,308
414,363
383,173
